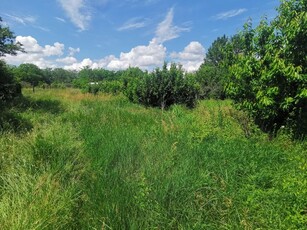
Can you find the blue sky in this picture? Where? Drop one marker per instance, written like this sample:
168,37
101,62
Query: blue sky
116,34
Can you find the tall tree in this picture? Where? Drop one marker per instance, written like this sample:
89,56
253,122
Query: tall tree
216,52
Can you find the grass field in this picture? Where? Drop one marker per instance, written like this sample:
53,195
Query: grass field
76,161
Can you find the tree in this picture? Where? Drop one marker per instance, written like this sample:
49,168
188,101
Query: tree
269,78
212,80
8,88
216,52
29,73
7,41
212,73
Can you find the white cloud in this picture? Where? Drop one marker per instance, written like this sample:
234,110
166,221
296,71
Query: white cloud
55,50
35,53
191,57
166,30
22,20
29,44
77,12
145,57
67,60
60,19
229,14
73,51
133,23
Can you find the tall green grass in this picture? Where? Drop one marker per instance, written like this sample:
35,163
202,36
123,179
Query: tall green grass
101,162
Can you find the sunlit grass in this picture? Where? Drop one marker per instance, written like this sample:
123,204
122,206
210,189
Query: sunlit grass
101,162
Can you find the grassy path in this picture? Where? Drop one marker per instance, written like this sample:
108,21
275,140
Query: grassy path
101,162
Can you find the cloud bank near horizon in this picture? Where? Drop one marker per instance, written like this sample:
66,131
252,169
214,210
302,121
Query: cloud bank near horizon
146,57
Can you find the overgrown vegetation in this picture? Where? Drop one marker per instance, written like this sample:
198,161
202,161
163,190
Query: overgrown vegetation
102,162
128,153
263,69
269,78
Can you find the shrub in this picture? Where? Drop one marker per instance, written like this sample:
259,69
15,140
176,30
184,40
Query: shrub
8,87
163,88
113,87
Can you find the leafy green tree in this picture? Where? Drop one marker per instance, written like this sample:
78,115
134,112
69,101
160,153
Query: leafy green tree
8,87
84,77
7,41
269,78
212,73
212,80
29,73
216,52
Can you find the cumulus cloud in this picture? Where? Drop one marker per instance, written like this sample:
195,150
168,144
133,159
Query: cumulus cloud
191,57
55,50
67,60
35,53
144,57
229,14
166,30
77,12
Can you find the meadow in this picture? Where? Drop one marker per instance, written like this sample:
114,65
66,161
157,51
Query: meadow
70,160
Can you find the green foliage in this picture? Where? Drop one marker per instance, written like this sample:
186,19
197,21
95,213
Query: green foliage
29,73
269,77
7,39
212,80
58,77
8,87
212,74
163,87
216,52
112,87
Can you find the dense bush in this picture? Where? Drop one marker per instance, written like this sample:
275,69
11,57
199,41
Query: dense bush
163,87
8,87
9,91
212,80
112,87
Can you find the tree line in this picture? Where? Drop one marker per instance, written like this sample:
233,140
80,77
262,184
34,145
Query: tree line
262,69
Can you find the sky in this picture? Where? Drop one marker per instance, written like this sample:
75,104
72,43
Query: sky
116,34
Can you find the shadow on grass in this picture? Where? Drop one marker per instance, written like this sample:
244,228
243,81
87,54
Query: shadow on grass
10,112
23,104
11,121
